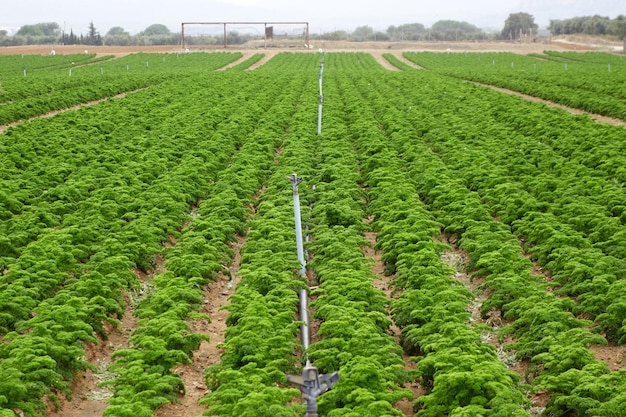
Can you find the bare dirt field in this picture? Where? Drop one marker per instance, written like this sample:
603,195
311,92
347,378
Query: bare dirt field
565,43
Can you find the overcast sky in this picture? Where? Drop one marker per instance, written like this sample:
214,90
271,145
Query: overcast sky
323,15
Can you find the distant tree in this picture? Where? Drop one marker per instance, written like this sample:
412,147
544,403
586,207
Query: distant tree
556,27
5,40
597,25
40,29
235,38
618,28
93,36
156,30
337,35
518,25
70,39
381,36
362,33
591,25
117,36
158,34
409,31
116,31
453,30
40,33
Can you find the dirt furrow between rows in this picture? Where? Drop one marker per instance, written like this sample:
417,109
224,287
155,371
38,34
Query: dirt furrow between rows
89,398
383,283
598,117
458,259
245,55
402,58
267,56
3,128
378,55
209,352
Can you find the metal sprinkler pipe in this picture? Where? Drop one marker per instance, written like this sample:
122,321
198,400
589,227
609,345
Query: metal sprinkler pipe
311,383
321,98
304,307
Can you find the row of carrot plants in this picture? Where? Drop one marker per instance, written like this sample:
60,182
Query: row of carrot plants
461,374
368,370
563,219
68,201
354,336
597,146
143,170
568,231
56,89
46,347
66,283
583,85
545,330
594,57
15,64
245,64
45,180
162,340
261,345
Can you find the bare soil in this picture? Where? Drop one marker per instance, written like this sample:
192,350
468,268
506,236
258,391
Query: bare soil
597,117
245,56
76,107
613,356
89,398
561,43
209,352
383,283
378,56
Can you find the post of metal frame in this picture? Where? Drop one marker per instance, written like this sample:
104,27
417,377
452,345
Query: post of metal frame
312,383
182,36
306,37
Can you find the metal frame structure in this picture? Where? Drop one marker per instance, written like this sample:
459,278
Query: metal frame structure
184,45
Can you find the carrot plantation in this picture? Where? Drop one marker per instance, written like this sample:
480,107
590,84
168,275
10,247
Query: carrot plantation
157,164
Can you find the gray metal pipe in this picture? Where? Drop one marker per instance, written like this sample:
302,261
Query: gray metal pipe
304,297
321,98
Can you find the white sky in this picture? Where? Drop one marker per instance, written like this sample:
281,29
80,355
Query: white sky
323,15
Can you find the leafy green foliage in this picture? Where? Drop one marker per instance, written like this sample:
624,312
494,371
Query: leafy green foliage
88,196
470,174
261,338
458,370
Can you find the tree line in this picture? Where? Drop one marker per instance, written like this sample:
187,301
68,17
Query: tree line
590,25
51,33
518,26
